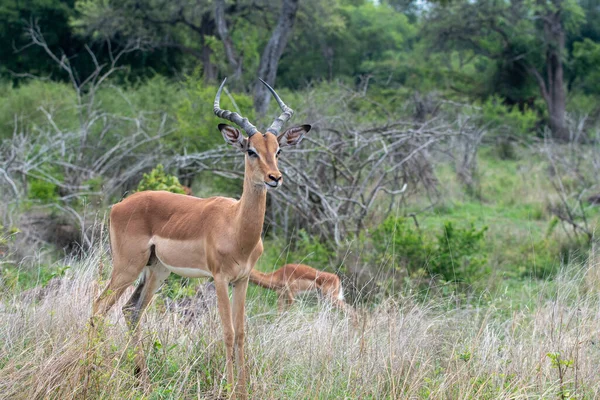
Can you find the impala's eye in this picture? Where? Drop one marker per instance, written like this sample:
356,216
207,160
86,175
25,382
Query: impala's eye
278,153
252,153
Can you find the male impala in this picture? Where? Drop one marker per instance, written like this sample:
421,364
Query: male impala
292,279
156,233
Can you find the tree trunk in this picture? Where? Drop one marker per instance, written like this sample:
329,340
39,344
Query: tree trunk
557,106
209,70
207,29
269,60
557,95
235,62
553,87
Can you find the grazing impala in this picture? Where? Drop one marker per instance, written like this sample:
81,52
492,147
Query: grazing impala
155,233
292,279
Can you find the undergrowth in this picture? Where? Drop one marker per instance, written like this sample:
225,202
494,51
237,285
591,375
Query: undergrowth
403,348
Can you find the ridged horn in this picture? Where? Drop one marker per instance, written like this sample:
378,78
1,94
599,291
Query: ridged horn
285,115
232,116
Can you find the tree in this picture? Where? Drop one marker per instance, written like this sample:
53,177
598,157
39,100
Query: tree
527,34
272,52
337,40
192,25
19,60
185,25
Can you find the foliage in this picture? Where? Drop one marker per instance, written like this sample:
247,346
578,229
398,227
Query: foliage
16,279
43,190
158,179
459,254
350,40
526,53
406,245
562,365
21,106
506,120
455,255
18,59
586,58
198,125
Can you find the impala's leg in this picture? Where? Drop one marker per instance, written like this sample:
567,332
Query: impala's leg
239,308
224,306
126,269
335,297
289,299
131,304
281,301
154,276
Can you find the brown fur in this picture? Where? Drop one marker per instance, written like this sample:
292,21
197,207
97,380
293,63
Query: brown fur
292,279
188,191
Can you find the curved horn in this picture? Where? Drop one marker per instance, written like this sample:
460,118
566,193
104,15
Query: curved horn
232,116
285,115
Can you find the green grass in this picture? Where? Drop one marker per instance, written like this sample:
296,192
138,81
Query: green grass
513,202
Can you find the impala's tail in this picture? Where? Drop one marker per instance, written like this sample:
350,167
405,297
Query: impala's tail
341,294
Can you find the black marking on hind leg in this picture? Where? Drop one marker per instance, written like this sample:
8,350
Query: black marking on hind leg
131,308
152,259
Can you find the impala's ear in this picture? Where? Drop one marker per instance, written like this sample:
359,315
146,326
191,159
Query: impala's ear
293,136
233,136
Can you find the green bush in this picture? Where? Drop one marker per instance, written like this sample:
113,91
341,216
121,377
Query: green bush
455,255
497,115
22,106
459,255
158,179
406,246
46,192
541,259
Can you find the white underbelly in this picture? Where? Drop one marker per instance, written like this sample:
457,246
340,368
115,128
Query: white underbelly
188,272
182,257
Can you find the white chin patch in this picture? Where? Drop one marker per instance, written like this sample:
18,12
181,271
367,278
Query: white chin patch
269,186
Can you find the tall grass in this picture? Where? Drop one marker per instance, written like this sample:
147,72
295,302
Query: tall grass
403,348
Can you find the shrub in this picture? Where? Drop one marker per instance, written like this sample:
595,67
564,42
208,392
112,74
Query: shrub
158,179
22,106
455,255
46,192
459,255
500,117
406,246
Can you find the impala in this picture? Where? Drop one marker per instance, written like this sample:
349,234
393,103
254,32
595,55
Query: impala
292,279
155,233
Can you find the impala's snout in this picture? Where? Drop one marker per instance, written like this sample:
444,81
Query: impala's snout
275,180
275,177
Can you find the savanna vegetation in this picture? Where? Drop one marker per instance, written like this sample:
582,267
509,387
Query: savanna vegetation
451,179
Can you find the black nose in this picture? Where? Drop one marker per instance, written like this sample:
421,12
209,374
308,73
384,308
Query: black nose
276,179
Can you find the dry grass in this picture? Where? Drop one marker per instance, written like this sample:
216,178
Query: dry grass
403,349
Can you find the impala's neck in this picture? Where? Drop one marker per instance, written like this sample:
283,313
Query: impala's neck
264,280
251,215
